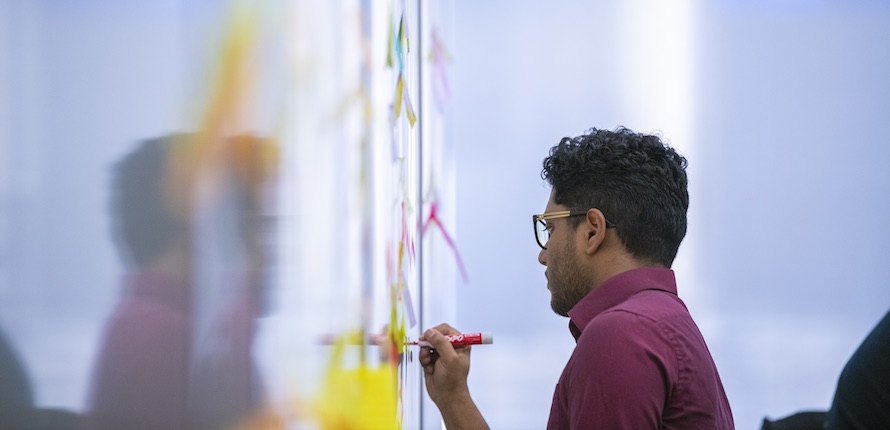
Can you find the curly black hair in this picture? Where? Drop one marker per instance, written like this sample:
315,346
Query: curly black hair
637,181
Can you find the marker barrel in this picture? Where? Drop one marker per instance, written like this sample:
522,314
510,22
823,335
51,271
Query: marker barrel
463,339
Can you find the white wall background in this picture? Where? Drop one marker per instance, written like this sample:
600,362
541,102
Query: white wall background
780,108
70,112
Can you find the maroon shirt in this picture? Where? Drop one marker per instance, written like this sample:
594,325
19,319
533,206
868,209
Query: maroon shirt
147,377
141,379
640,361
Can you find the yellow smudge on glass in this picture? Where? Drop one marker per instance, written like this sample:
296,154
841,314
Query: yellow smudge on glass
362,397
232,79
389,41
397,332
223,113
398,103
409,109
401,93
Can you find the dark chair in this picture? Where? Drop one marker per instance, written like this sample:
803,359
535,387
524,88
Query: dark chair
807,420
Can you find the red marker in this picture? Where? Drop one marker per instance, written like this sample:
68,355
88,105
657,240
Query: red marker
463,339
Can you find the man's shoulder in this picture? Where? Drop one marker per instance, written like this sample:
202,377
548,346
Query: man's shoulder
652,304
620,324
645,315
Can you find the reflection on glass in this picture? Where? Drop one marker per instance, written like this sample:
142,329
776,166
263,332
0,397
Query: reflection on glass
176,351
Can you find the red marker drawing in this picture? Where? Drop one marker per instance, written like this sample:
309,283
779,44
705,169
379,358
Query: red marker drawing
463,339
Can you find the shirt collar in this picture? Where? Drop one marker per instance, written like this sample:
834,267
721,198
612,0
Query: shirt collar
616,290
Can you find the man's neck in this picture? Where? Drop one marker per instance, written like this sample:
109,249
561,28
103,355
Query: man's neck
615,265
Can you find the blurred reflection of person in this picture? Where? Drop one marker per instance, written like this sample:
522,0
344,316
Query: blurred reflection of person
152,370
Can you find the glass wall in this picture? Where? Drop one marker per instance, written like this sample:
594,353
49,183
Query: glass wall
222,214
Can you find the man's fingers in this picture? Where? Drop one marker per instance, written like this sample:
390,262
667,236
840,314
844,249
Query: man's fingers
426,356
441,344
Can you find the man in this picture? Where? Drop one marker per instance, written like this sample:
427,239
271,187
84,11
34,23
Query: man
609,234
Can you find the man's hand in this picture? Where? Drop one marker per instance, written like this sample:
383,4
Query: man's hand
445,367
445,370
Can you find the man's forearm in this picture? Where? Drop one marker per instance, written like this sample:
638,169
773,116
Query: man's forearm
462,414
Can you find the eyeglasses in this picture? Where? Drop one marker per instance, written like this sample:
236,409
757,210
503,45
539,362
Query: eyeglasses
542,233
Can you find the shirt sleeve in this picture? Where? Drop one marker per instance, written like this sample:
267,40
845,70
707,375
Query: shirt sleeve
620,374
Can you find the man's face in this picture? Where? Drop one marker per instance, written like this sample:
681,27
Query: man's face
565,279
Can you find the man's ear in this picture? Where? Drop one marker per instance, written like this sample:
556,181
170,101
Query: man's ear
594,228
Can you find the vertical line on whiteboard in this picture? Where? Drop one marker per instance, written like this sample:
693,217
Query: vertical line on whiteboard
367,189
421,286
